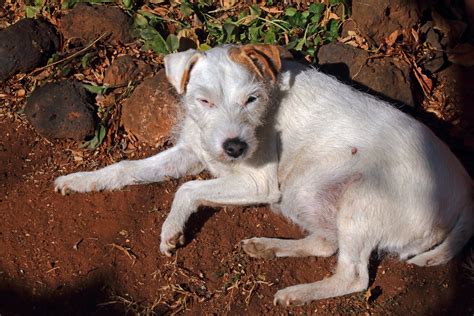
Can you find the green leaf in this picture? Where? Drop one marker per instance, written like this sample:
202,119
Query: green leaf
154,40
300,44
186,9
85,60
97,1
102,133
312,29
68,4
229,30
292,44
255,10
97,140
128,4
317,40
270,37
254,34
310,51
332,30
290,11
140,21
172,43
297,20
317,10
31,11
65,70
95,89
203,47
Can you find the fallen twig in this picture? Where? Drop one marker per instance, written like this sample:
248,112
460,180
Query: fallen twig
126,250
70,56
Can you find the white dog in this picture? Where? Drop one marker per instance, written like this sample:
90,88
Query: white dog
350,169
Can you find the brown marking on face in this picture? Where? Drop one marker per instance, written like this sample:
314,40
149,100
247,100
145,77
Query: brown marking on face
263,60
354,150
184,80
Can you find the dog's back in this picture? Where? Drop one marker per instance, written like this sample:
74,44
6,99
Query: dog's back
412,188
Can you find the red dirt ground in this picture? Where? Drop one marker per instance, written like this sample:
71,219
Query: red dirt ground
97,253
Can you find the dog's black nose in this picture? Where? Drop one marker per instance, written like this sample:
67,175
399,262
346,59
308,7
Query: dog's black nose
234,147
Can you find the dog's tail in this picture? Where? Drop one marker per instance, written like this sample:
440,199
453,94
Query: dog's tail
462,231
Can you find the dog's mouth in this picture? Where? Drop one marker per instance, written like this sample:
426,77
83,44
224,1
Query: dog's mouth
223,157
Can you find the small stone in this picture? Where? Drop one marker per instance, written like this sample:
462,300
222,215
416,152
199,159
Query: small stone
87,23
125,69
26,45
152,110
62,110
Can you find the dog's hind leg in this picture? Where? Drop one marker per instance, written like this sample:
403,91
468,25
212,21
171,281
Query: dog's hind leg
311,204
454,242
313,245
351,275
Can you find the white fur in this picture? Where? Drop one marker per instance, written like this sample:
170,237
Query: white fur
355,173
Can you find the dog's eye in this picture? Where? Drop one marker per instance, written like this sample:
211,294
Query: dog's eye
205,102
251,99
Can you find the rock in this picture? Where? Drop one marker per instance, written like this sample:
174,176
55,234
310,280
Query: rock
434,60
26,45
388,78
462,54
87,23
125,69
377,19
152,110
62,110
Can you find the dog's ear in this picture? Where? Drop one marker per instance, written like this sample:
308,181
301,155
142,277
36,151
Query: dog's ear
178,66
263,60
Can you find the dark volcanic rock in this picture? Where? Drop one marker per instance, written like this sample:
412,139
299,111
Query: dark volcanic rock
387,78
152,110
87,23
26,45
62,110
377,19
125,69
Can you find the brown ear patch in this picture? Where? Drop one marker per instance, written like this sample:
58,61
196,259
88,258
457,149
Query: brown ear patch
263,60
185,78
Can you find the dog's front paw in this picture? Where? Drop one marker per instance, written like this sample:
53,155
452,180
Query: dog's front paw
77,182
294,295
170,240
258,248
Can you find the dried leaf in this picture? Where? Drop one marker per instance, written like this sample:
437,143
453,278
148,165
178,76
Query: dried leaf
415,35
188,39
425,82
367,295
392,38
226,4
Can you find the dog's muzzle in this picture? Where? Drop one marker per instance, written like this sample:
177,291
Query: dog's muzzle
234,147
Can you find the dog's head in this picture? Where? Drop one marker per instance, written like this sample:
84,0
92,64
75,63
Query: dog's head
226,91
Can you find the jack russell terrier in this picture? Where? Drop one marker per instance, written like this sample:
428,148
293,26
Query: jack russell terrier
352,171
